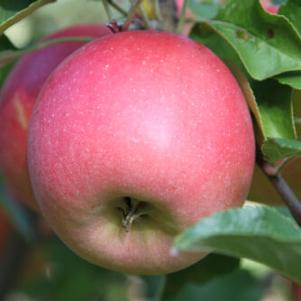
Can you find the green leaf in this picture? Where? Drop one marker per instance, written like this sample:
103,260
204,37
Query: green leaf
292,10
203,32
5,43
258,232
212,266
4,71
278,149
292,79
13,11
267,45
269,101
278,2
275,108
237,286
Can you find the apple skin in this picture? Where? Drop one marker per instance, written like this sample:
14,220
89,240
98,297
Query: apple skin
17,100
140,120
269,6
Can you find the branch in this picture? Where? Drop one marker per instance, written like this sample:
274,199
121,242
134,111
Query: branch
158,10
168,15
144,17
117,7
131,15
181,21
287,194
107,9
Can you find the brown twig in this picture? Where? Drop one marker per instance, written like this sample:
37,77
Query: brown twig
168,15
131,15
118,8
182,18
287,194
107,9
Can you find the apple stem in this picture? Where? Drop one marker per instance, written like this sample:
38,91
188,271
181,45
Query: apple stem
107,10
157,10
182,18
168,13
144,17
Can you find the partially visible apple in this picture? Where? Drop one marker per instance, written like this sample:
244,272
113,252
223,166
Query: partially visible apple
18,97
269,6
136,137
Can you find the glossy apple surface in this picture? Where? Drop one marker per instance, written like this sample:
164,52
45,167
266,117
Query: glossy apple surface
136,137
18,97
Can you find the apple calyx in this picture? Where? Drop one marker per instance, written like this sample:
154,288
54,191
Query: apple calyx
131,212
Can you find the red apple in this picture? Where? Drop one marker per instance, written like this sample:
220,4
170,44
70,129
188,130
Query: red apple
136,137
18,97
269,6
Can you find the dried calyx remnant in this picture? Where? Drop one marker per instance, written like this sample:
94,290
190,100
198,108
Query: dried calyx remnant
132,210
